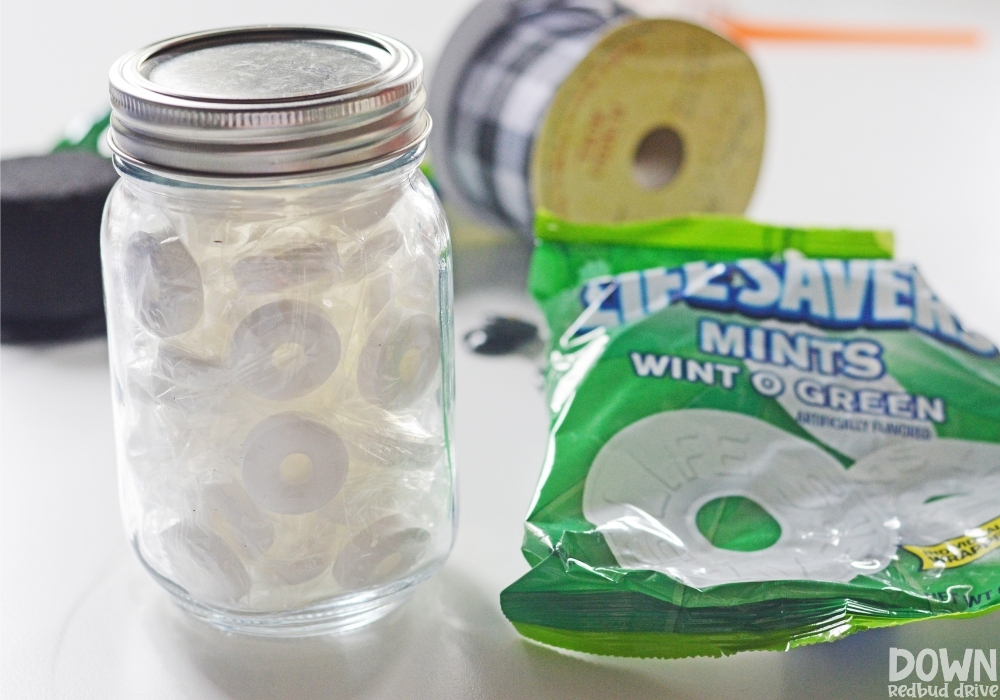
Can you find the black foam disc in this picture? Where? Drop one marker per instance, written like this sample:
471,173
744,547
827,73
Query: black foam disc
50,251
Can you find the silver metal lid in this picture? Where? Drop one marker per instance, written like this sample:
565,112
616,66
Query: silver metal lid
267,101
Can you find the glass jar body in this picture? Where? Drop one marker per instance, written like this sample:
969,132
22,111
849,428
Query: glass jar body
282,370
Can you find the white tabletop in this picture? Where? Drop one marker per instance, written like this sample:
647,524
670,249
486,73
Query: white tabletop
871,136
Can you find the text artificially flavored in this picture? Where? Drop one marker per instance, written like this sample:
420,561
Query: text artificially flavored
761,438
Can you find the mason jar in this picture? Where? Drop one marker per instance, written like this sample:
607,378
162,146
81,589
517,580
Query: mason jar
277,273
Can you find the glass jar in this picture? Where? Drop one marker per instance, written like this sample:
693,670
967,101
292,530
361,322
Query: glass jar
277,274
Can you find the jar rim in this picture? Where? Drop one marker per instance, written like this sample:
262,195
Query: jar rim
267,101
136,170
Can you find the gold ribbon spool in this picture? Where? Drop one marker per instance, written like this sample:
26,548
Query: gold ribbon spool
662,118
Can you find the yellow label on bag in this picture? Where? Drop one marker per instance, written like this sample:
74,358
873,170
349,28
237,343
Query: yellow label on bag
959,551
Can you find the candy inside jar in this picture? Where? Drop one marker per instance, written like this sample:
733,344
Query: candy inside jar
281,350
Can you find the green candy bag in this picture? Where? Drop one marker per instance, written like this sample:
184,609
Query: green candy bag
761,438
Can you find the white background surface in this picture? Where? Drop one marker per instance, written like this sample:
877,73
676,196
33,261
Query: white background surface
902,138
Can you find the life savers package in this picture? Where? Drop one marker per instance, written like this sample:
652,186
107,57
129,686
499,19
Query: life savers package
760,438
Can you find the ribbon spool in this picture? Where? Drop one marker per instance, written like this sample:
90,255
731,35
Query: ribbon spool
584,109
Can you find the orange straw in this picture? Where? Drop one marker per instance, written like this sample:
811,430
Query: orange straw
742,32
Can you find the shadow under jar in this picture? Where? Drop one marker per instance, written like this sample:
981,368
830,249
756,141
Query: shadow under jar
277,274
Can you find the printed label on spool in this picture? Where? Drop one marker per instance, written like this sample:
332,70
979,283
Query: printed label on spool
662,118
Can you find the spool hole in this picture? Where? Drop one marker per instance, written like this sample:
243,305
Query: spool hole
658,158
737,524
288,356
296,468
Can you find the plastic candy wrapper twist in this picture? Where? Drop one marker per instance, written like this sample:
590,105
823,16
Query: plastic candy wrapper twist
761,438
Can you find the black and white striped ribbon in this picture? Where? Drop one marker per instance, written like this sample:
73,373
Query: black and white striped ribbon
504,92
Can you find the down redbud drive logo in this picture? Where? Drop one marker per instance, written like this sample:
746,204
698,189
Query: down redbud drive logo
933,673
